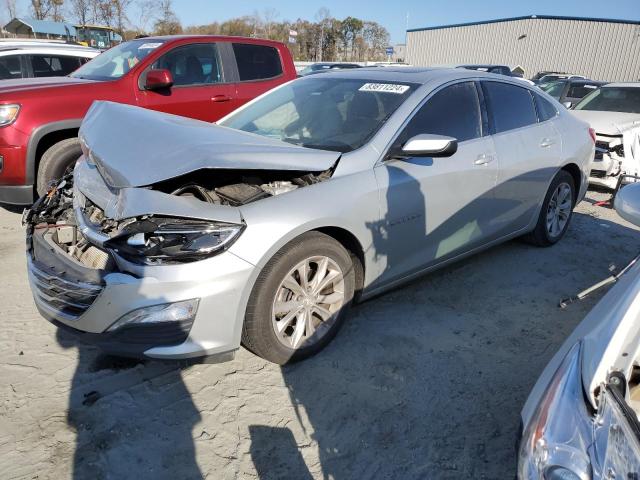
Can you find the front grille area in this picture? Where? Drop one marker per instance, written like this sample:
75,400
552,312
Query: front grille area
598,173
66,297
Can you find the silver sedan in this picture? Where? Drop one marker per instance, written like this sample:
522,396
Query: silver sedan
175,238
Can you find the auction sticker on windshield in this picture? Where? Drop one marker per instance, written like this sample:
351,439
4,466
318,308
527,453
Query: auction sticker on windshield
149,46
384,87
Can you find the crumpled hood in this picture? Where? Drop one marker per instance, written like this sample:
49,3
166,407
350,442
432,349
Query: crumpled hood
26,84
134,147
608,123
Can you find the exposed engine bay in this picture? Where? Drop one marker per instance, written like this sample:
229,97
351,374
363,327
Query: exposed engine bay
154,239
238,187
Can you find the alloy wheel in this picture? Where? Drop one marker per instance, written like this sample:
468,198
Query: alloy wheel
559,210
308,301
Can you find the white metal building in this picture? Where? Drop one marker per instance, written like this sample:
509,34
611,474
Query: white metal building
600,49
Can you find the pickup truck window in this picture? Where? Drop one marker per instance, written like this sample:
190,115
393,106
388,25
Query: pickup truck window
196,64
116,62
257,62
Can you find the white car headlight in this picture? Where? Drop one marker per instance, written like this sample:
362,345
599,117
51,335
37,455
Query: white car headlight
617,438
8,114
555,443
155,241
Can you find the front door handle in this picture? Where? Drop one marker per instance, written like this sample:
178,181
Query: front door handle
220,98
483,159
547,142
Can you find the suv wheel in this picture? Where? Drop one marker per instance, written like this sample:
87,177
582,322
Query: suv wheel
56,162
300,299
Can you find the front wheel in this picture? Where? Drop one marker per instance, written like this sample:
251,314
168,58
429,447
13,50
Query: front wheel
556,211
56,162
300,299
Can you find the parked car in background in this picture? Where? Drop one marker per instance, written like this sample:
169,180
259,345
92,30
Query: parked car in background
41,59
536,78
571,90
325,67
613,111
203,77
557,76
183,239
581,418
499,69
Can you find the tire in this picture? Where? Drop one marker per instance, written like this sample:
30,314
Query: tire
261,320
56,161
542,235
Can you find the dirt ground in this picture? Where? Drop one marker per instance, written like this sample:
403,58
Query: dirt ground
424,382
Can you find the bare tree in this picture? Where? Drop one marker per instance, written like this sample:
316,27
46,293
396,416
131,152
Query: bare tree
168,22
81,11
11,9
323,17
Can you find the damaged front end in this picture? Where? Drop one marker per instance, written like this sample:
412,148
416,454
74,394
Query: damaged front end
617,156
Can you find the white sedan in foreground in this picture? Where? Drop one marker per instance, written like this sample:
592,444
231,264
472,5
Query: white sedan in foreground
581,418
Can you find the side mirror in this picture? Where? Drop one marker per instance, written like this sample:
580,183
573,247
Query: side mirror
627,203
158,79
567,104
427,145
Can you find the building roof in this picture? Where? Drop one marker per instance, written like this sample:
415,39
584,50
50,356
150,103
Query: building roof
42,26
528,17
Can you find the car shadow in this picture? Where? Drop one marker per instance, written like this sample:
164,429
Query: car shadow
118,436
428,380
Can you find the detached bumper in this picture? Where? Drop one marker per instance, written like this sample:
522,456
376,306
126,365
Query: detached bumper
86,302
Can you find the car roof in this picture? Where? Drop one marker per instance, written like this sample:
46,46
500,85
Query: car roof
482,65
414,74
623,84
175,38
68,52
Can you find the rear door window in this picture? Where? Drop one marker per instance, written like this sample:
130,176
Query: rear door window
10,67
454,111
53,65
546,110
196,64
257,62
509,106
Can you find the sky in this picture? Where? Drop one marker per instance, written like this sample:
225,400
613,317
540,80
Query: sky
392,14
396,15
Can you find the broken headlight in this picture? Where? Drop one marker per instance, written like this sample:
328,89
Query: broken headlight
156,241
556,441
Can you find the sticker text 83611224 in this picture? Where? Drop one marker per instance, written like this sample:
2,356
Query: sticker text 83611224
384,88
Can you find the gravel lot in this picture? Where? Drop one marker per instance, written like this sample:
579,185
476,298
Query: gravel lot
424,382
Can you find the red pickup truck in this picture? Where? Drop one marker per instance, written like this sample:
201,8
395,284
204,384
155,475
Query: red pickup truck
203,77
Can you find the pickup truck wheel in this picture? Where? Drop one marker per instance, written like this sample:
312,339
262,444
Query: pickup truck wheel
555,213
300,299
56,162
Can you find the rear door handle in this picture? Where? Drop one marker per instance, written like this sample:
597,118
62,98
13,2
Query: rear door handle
220,98
483,159
547,142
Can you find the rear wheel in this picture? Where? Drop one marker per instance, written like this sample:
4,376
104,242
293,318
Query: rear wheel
556,211
56,162
300,299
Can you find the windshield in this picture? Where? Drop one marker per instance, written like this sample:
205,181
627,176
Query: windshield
335,114
612,99
116,62
553,88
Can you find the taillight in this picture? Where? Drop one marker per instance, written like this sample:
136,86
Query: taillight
592,133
